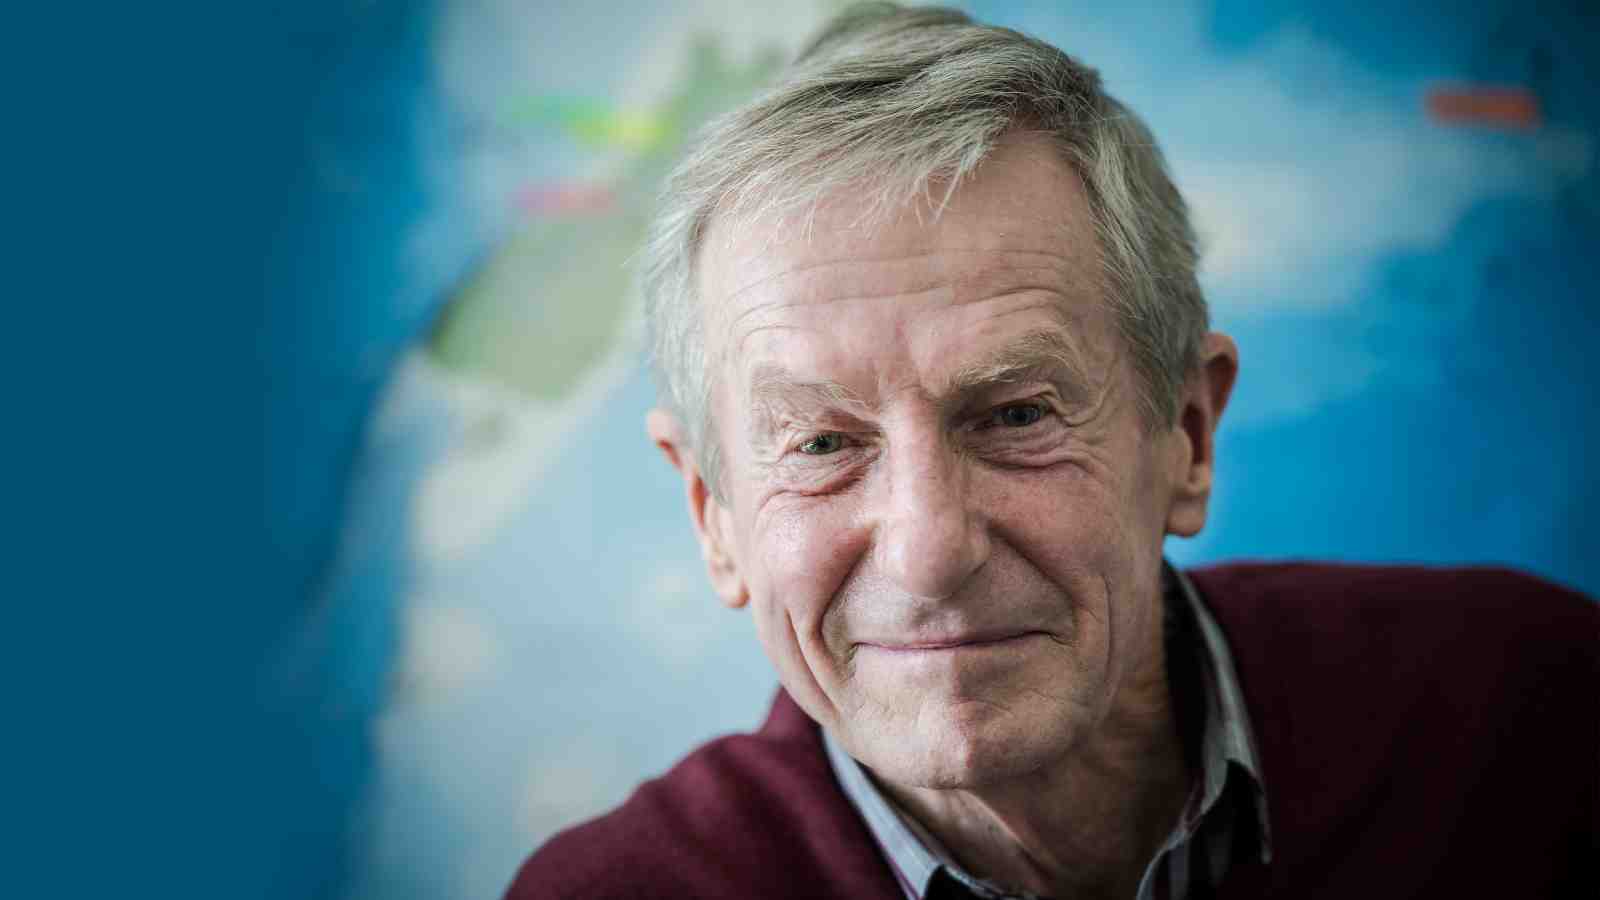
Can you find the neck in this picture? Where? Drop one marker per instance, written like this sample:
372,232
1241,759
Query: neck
1086,826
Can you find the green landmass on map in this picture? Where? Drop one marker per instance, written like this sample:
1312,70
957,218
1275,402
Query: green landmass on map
546,307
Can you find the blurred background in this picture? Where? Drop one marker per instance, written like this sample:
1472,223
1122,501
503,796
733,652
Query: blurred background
480,614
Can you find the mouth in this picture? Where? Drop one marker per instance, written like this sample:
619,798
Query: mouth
965,642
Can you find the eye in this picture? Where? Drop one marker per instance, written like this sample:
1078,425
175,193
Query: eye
823,444
1017,415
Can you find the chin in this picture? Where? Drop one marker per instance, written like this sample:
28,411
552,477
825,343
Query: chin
969,745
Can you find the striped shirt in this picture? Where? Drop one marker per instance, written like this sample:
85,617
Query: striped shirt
1225,818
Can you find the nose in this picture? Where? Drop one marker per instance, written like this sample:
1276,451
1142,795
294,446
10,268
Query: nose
931,537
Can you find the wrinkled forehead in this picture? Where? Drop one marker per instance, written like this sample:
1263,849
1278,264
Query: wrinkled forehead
1021,222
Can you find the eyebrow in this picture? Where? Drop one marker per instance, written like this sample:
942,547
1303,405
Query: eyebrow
1042,353
774,391
1045,354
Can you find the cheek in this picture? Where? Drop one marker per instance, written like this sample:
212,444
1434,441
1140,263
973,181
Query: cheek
808,547
1068,520
1082,529
803,554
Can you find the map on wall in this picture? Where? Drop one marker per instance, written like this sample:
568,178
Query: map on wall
1397,221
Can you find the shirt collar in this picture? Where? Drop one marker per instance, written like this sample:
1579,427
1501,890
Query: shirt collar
1227,737
1226,742
913,863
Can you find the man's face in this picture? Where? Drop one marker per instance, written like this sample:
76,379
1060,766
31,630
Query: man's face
940,502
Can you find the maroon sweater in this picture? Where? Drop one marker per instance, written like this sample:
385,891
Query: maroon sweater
1422,733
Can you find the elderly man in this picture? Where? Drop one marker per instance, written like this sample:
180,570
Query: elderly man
938,382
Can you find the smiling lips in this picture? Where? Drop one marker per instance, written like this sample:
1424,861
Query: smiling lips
974,641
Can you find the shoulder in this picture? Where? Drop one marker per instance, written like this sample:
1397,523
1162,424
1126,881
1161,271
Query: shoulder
1334,611
1421,636
1387,698
733,818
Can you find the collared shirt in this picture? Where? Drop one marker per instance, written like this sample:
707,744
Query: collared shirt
1224,819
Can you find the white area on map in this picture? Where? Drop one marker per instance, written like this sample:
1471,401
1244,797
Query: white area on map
504,440
675,613
447,648
563,782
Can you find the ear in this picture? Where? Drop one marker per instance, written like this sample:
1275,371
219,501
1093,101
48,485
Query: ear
1204,398
713,522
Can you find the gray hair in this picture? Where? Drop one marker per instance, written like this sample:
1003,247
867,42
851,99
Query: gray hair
903,100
